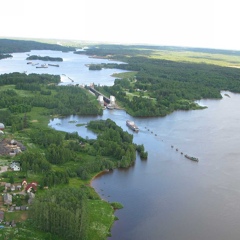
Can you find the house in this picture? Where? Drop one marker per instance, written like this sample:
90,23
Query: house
24,183
1,216
8,186
7,198
2,126
23,208
13,188
13,142
15,166
11,209
31,187
18,187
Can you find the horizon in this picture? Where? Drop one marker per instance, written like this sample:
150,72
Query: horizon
46,40
200,24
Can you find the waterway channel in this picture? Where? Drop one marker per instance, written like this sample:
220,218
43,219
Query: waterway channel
168,196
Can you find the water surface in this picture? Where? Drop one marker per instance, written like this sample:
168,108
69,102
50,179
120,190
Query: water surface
73,67
170,197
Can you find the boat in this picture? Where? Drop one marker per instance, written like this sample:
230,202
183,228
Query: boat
43,66
53,65
132,125
191,158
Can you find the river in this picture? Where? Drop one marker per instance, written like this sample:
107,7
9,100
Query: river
168,196
72,69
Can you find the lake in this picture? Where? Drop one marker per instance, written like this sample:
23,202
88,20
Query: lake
168,196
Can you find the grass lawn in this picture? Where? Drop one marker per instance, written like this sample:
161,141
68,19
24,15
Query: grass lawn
101,217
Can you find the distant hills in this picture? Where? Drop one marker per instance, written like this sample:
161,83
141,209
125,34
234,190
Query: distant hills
12,46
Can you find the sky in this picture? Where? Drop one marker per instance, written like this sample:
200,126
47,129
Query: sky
189,23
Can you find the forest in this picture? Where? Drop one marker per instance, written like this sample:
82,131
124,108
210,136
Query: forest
42,91
13,46
161,86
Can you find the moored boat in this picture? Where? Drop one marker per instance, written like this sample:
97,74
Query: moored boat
132,125
43,66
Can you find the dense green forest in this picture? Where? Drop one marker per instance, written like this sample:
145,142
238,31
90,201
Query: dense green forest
45,58
57,159
161,86
64,213
41,91
13,46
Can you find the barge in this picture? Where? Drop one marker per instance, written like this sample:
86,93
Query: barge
53,65
132,125
191,158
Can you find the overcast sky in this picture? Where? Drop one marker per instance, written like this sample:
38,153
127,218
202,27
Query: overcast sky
193,23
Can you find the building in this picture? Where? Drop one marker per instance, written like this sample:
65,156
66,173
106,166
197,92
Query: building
112,100
7,198
1,216
2,126
15,166
31,187
101,100
8,186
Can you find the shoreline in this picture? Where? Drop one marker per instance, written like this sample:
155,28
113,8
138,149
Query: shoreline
95,176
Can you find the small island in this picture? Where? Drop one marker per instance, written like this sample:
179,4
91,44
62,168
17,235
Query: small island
3,56
45,58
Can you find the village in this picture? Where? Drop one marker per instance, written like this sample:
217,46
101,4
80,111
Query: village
16,197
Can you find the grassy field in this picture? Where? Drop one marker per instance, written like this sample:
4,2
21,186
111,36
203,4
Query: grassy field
198,57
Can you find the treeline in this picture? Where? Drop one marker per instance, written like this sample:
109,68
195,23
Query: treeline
45,58
95,67
64,213
13,46
116,51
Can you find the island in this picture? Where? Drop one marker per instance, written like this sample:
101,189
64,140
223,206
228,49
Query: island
45,58
3,56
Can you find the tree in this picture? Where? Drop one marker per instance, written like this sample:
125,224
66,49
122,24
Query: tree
11,179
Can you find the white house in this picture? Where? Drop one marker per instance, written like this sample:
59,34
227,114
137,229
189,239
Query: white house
15,166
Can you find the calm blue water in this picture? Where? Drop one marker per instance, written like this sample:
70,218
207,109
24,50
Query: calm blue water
73,67
169,197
